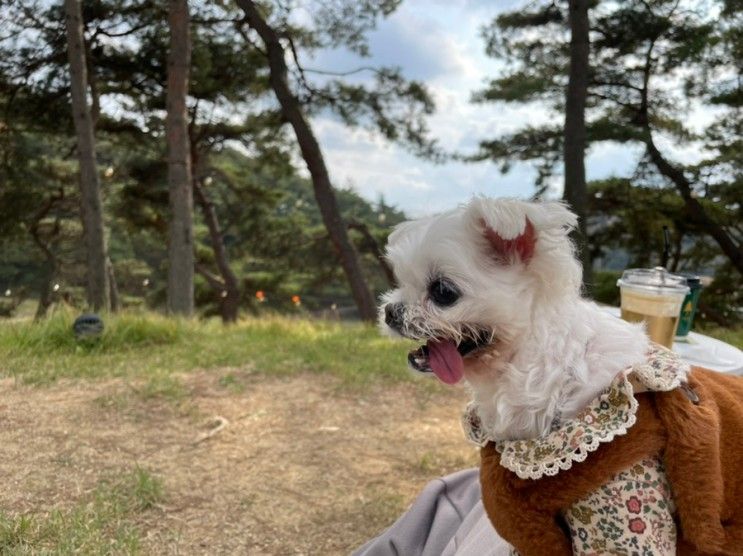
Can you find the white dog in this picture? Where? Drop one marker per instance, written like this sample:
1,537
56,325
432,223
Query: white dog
493,289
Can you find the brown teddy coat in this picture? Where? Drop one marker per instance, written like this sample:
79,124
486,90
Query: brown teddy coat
699,435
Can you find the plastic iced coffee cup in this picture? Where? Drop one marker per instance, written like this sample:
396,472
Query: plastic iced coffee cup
653,296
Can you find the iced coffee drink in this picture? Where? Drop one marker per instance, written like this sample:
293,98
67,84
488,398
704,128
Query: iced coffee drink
653,296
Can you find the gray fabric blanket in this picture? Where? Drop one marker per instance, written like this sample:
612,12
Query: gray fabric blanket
447,519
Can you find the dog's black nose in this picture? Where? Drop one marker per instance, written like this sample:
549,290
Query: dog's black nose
393,313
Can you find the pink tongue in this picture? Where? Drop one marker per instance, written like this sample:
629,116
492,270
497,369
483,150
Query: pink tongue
445,361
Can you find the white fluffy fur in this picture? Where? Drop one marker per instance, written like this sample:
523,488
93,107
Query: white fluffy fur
554,351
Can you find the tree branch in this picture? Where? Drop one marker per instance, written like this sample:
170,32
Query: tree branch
33,229
616,84
676,175
343,73
694,208
210,277
101,31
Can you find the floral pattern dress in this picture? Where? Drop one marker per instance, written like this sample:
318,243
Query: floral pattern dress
633,513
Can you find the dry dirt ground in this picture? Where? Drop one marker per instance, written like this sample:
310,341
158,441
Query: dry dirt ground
250,464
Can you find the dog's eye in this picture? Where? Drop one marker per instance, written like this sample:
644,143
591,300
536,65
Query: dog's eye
443,292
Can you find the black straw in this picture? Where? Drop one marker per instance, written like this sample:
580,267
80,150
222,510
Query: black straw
666,247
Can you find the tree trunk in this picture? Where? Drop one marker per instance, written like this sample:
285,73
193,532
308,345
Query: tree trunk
677,250
180,247
313,157
52,265
114,297
694,208
376,251
45,296
90,195
574,143
230,289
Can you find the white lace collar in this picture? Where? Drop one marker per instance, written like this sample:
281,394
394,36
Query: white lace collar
610,414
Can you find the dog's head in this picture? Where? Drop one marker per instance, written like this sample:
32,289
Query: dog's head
472,281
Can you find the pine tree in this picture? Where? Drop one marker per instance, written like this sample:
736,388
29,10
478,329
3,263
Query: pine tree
90,195
180,236
650,61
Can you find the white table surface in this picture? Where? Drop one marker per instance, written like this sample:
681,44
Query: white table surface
704,351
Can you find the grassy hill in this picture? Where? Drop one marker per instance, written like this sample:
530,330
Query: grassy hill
141,345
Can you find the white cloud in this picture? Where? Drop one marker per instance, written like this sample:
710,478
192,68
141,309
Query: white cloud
421,38
409,40
439,42
611,159
373,167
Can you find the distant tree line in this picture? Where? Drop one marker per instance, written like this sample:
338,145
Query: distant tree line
168,91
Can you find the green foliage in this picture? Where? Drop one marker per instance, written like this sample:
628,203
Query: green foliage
542,144
631,217
521,87
394,107
721,302
627,219
103,522
340,23
605,288
538,16
650,62
242,155
275,237
687,45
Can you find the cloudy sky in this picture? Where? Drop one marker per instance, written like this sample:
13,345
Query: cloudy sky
439,43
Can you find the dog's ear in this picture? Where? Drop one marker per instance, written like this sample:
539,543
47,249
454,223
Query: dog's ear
505,249
512,227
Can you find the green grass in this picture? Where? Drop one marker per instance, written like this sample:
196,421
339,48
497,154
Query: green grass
152,347
164,387
101,523
232,382
732,336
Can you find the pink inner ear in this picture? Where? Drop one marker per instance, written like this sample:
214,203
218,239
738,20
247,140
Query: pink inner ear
521,246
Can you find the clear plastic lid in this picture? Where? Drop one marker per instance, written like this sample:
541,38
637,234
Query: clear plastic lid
653,280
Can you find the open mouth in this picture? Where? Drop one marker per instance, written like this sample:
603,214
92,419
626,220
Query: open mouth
445,358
